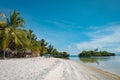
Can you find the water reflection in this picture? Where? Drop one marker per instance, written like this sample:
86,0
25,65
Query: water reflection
108,63
93,59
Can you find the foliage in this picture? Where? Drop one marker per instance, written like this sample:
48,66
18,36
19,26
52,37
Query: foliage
50,49
15,40
55,53
12,32
43,47
95,53
61,55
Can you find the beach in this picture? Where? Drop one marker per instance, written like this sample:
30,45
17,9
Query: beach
40,68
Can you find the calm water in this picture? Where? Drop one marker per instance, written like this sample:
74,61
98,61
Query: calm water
110,64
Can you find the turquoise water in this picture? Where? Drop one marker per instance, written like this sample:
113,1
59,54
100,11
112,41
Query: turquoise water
110,64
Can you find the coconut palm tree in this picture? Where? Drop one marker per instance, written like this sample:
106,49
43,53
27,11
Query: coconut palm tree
50,49
43,45
34,44
12,33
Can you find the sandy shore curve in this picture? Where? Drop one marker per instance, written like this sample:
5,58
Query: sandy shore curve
50,69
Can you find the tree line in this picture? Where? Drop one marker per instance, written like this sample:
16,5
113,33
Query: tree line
16,41
95,53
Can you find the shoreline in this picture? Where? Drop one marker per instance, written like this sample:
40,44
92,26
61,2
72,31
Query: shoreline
109,64
98,69
40,68
90,66
117,77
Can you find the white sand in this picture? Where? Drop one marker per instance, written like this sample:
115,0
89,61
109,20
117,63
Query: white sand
50,69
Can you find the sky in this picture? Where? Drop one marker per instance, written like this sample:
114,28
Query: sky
71,25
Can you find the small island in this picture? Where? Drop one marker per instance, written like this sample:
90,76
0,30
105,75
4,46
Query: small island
95,52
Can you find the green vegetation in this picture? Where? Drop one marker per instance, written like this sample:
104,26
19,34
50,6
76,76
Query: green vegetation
43,47
95,53
16,41
53,52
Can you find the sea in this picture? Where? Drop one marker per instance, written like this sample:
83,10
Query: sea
110,64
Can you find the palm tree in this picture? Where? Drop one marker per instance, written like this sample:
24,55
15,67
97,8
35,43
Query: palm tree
34,44
12,33
50,49
43,45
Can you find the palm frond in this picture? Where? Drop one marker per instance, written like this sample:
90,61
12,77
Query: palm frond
2,15
23,37
2,24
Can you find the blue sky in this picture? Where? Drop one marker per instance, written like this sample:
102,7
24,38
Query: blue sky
71,25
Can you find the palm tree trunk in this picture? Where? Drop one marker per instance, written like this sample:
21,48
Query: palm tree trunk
41,52
4,55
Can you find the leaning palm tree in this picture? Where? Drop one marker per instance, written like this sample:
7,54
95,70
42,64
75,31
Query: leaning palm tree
3,25
12,33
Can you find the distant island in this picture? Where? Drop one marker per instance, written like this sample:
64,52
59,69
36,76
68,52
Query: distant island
95,52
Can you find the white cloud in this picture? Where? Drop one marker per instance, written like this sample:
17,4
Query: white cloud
65,25
105,38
